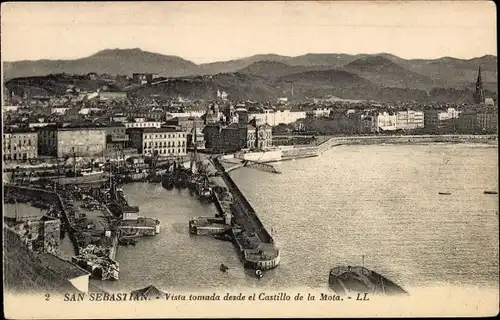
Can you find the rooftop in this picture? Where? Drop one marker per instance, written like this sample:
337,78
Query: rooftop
63,267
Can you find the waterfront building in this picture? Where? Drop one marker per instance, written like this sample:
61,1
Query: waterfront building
432,119
20,144
409,119
38,233
142,123
164,141
436,119
487,122
68,141
368,123
274,118
467,121
236,136
385,121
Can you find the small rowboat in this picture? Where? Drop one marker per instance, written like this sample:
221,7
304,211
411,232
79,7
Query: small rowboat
223,267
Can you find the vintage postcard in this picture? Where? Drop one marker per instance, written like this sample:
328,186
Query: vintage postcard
249,159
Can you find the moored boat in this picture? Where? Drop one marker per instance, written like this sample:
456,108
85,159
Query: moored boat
346,279
223,267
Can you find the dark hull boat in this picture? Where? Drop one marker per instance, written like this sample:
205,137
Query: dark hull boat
444,193
167,181
344,280
490,192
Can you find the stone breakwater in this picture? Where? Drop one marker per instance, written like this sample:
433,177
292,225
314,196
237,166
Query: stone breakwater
288,153
254,242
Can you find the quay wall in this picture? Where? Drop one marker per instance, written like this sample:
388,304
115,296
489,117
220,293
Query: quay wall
245,205
84,179
218,205
313,151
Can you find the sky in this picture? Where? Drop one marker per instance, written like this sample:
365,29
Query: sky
215,31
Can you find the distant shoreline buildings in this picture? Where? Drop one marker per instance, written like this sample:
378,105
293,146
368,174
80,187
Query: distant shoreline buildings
102,124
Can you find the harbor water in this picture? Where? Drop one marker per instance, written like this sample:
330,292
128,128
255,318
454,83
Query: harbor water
378,201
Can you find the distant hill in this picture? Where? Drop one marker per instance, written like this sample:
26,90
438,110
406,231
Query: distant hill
452,71
265,77
237,64
112,61
387,73
445,71
275,69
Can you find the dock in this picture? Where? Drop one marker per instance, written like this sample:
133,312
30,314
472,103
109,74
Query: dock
254,243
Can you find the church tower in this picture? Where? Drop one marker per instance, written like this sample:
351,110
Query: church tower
479,93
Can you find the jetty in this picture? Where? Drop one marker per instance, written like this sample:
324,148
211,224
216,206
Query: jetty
238,221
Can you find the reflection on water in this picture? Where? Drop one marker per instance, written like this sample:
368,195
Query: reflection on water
378,201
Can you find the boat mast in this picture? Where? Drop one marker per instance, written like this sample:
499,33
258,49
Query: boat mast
74,162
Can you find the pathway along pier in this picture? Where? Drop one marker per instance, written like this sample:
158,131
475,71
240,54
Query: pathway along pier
256,246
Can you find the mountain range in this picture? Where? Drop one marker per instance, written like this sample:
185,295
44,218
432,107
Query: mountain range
271,75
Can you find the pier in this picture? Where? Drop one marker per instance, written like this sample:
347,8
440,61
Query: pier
254,243
253,164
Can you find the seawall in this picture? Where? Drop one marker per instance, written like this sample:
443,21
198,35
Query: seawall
289,152
263,254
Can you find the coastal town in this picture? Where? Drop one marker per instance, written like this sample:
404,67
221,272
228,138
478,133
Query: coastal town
70,153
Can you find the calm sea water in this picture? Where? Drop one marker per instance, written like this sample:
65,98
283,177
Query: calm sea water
378,201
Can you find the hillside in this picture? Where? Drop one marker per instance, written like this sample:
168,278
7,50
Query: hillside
238,86
113,62
238,64
452,71
310,84
57,84
274,69
386,73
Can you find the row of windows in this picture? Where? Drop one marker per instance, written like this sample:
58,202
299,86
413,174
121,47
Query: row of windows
143,125
166,151
165,136
19,156
164,144
19,143
9,147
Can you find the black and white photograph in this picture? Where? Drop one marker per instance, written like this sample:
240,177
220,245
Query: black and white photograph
245,159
